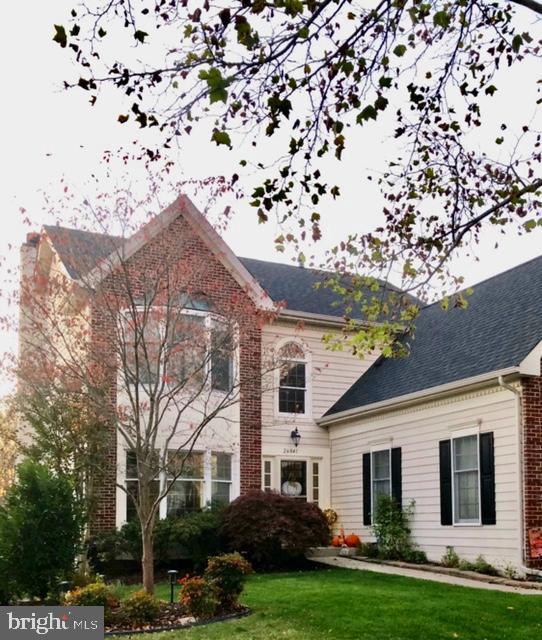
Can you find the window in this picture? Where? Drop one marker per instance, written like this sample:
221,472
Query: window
132,484
186,493
221,478
292,384
188,350
466,480
222,349
142,347
381,474
198,349
315,482
267,475
293,479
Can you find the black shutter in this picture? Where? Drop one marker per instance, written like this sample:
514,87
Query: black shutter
487,478
366,489
445,447
396,478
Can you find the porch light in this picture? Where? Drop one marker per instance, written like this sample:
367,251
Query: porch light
295,437
172,573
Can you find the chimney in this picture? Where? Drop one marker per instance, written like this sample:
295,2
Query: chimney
28,257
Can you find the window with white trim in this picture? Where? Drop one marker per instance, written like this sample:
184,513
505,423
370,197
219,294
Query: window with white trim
315,482
267,475
466,479
381,476
132,484
186,493
200,347
221,478
293,380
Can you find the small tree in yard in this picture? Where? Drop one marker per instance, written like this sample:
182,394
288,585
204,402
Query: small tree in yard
40,527
66,435
153,332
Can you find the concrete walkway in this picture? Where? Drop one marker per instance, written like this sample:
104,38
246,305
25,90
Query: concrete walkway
348,563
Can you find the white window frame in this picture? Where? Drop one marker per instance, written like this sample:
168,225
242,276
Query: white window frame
165,479
275,463
373,451
306,360
458,435
207,480
211,480
210,319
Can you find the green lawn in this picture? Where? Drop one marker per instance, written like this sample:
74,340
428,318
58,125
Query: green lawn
358,605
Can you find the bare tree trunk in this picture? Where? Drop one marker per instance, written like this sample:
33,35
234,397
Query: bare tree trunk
147,560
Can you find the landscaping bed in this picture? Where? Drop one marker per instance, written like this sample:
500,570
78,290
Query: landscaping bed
453,571
172,617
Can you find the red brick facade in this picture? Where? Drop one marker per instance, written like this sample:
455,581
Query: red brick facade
181,248
532,460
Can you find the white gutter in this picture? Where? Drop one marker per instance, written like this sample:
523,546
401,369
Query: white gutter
519,422
417,396
315,318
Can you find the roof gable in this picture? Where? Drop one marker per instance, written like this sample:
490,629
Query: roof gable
93,255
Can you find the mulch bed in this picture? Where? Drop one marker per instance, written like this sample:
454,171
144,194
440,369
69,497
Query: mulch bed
173,616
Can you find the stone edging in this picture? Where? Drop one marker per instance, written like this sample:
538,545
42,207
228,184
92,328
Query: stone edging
456,573
176,627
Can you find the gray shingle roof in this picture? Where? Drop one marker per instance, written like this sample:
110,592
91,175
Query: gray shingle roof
80,251
501,325
296,286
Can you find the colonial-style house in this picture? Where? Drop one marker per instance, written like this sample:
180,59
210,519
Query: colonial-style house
455,427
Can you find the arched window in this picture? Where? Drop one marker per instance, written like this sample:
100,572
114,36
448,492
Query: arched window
293,379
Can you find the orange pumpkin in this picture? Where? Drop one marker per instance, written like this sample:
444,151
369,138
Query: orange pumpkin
352,540
336,542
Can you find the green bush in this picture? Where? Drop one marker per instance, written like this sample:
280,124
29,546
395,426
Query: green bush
198,534
40,528
414,555
368,550
391,528
198,596
450,558
140,608
193,535
272,530
481,565
228,572
96,594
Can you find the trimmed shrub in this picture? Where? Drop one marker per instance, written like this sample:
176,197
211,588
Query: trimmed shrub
271,530
228,572
140,608
40,528
198,596
198,534
193,535
96,594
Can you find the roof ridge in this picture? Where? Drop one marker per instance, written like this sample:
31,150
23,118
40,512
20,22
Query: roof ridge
76,230
485,280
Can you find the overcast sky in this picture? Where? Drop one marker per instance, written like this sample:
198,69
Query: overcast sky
47,133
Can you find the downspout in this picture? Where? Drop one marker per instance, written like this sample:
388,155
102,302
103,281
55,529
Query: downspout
519,422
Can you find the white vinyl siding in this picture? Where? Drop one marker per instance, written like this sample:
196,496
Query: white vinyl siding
418,431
